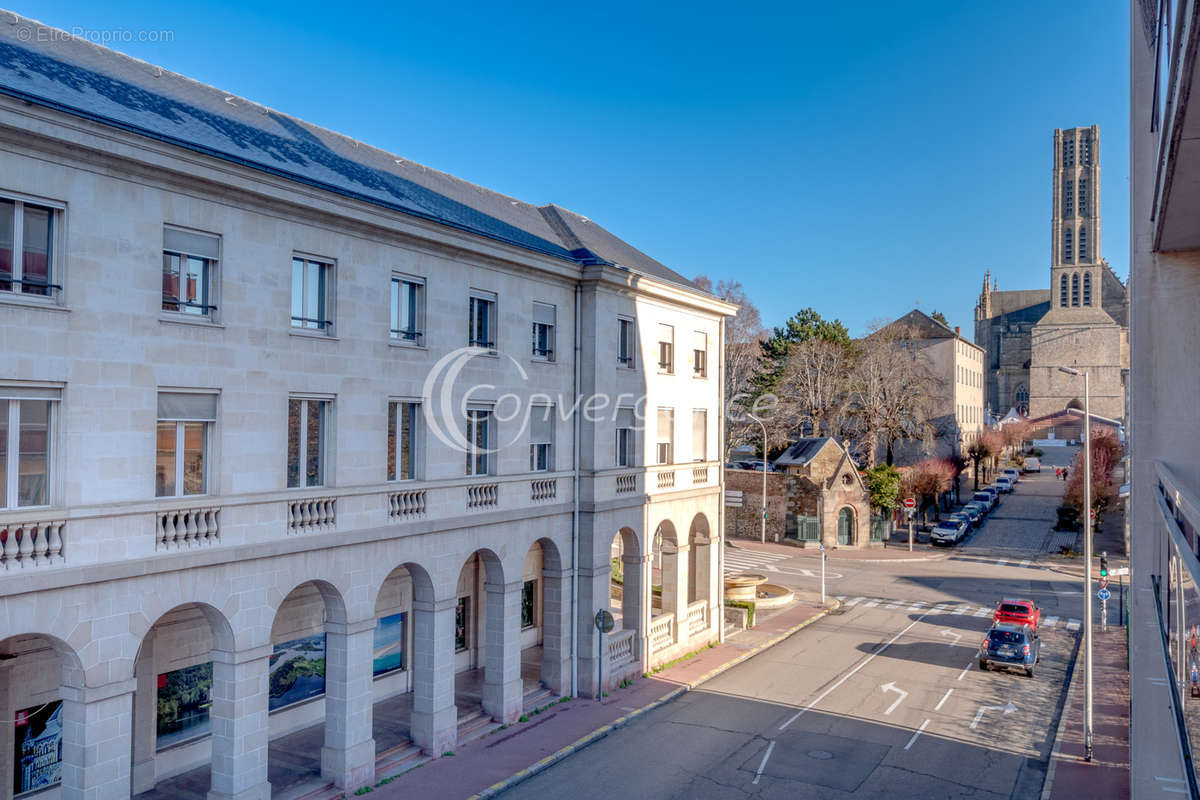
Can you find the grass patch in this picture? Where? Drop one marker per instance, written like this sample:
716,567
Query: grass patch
363,790
679,660
523,718
746,604
447,753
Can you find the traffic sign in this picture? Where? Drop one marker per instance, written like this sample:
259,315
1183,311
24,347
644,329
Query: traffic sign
1103,583
733,498
1104,594
604,621
1119,571
910,502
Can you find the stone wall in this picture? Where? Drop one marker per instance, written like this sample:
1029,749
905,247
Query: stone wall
744,522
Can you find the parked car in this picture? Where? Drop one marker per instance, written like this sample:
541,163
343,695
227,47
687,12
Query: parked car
1018,611
976,511
994,492
986,499
1012,473
948,531
1010,646
1004,484
1033,464
965,517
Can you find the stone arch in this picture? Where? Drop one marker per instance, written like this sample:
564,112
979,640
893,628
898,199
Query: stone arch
847,526
1075,404
545,617
626,579
1087,288
487,629
699,559
1074,289
670,563
1062,291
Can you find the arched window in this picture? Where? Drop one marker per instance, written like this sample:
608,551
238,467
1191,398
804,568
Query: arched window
1062,292
1085,152
1067,245
1075,289
1083,197
1068,153
1021,399
1087,289
1083,255
1068,199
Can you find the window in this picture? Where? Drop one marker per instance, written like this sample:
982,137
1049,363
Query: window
1021,399
479,441
1087,289
26,425
528,604
1075,289
403,422
700,355
541,438
189,272
482,320
666,348
181,463
307,419
1068,154
625,342
461,624
699,434
626,455
27,252
1085,152
1067,245
543,331
666,436
1083,197
310,294
1062,290
408,309
1083,249
1068,198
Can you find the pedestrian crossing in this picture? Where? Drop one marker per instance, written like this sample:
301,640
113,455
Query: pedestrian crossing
1023,563
742,560
946,607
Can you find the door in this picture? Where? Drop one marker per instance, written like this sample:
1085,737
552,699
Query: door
845,526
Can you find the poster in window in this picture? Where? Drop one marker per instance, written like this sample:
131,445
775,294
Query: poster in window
389,644
38,747
297,671
184,703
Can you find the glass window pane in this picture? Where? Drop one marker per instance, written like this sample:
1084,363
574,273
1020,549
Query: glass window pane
407,414
164,465
4,453
314,469
298,293
193,457
293,445
395,320
391,442
314,294
170,280
197,286
7,212
33,456
35,262
528,601
411,319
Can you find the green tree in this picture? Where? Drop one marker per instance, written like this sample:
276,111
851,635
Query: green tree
940,317
883,484
805,325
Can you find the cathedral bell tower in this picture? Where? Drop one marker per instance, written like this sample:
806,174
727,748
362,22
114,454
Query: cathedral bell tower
1076,271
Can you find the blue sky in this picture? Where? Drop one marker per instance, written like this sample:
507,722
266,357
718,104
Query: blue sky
859,160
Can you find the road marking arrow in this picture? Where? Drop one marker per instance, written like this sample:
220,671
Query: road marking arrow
957,636
891,687
1007,709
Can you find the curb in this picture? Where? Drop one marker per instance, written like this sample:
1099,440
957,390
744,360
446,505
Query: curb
1056,751
579,744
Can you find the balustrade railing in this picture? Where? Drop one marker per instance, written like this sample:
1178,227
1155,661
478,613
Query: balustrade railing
483,495
406,504
666,479
620,648
627,483
187,527
697,617
31,544
662,631
541,491
312,515
699,476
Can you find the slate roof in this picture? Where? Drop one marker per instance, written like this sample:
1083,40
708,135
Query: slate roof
803,451
77,77
1023,305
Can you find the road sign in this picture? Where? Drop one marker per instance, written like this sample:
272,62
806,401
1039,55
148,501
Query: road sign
1118,571
1103,582
1104,594
821,547
910,502
604,621
733,498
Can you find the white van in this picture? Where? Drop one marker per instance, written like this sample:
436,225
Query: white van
1032,464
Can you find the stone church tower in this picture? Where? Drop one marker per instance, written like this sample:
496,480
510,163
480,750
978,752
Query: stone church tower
1081,322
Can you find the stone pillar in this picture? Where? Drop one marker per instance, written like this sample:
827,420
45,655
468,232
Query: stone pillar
702,557
348,757
7,731
556,630
675,588
435,718
503,691
635,603
97,722
594,594
145,718
240,726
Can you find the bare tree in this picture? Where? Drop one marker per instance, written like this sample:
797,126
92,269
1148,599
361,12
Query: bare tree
815,383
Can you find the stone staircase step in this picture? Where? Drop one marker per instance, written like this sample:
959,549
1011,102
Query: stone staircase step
477,730
399,759
538,698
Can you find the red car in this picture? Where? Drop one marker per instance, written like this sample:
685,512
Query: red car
1018,612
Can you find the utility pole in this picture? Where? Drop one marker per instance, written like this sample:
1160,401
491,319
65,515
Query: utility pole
763,510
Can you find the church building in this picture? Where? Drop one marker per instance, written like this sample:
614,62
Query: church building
1081,320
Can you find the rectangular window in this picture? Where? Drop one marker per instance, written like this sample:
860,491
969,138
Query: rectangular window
666,436
181,464
389,644
311,308
306,442
666,348
403,431
700,355
26,427
541,438
528,604
408,309
699,434
625,442
543,331
625,342
479,441
462,624
482,320
189,272
27,252
184,700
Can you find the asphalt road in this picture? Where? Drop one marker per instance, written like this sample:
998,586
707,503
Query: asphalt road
881,699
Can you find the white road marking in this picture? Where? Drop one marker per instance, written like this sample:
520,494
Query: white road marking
855,601
851,673
961,609
761,766
890,686
1007,709
894,604
970,664
1024,563
940,607
1050,622
942,702
915,735
957,636
981,612
916,606
1002,562
872,603
1072,624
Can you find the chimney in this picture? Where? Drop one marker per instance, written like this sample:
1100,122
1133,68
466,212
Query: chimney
957,330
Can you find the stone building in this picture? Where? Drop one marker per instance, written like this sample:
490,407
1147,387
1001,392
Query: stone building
1080,321
266,477
827,501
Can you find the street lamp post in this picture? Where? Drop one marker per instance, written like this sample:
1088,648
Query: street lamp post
1087,560
762,513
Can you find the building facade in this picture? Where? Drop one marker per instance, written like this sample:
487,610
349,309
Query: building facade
827,501
293,430
1081,321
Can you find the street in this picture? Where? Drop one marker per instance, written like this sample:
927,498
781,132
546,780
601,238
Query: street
883,698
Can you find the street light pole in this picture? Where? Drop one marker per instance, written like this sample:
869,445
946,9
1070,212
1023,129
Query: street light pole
1087,560
762,512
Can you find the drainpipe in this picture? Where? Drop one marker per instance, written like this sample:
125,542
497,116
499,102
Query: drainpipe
575,511
721,482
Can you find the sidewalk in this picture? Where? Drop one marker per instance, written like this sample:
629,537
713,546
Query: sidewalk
505,758
893,552
1107,775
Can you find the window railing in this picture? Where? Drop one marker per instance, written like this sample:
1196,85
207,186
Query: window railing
206,307
546,353
320,323
407,334
490,345
27,282
625,361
